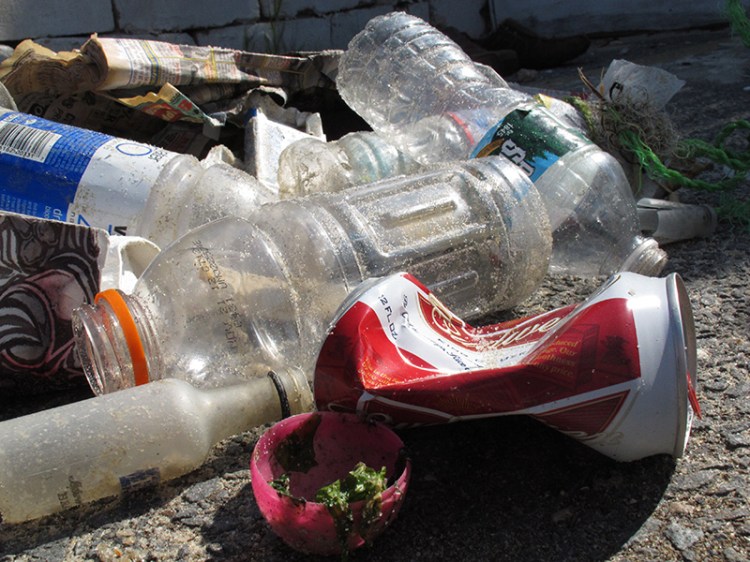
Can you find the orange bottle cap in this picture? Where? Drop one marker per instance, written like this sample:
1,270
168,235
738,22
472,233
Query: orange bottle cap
130,331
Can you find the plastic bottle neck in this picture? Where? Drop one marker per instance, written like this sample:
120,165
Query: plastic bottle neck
114,342
647,258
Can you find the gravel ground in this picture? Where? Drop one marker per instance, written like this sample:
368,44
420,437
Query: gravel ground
509,488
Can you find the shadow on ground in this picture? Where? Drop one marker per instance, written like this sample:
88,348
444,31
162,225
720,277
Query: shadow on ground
52,537
500,489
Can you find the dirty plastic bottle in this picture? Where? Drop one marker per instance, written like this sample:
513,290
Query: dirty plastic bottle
599,238
242,295
603,236
67,456
61,172
418,89
311,165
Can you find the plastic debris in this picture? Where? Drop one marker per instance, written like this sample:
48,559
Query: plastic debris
313,451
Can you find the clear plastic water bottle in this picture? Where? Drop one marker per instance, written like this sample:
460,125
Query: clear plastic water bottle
311,165
71,455
418,89
66,173
239,296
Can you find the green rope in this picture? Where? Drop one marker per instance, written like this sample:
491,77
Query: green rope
739,21
628,138
717,152
731,209
729,129
613,126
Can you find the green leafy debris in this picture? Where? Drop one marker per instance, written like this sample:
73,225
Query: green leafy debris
281,484
361,484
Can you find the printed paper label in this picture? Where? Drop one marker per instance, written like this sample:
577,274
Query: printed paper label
58,172
530,138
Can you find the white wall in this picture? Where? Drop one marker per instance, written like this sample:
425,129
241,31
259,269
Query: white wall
569,17
285,25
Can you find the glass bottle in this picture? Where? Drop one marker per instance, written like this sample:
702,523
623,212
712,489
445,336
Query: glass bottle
70,455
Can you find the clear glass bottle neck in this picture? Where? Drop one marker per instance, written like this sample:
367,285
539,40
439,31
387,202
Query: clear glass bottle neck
264,399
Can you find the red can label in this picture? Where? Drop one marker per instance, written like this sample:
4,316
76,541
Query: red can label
398,355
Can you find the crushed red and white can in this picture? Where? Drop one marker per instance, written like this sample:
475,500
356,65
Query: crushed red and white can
616,372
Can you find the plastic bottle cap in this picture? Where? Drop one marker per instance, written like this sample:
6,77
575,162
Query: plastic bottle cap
130,331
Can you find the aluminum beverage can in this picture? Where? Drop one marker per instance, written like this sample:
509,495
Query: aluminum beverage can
616,372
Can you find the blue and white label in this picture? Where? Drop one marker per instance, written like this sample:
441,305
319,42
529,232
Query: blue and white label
59,172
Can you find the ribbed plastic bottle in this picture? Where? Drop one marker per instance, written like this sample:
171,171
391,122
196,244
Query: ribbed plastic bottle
418,89
237,296
311,165
61,172
71,455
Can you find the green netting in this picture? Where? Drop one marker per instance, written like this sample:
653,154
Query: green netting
646,137
739,21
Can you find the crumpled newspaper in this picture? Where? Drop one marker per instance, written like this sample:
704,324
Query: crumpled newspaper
170,81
